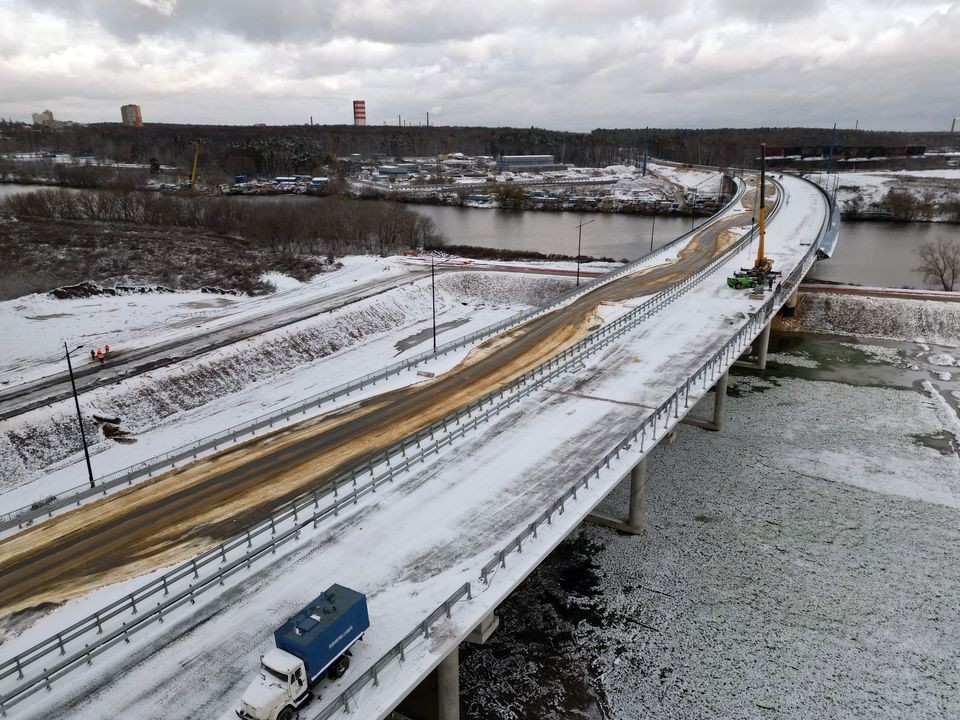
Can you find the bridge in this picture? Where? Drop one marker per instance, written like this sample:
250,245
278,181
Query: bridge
436,497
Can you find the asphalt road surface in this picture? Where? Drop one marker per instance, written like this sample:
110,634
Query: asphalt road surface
182,512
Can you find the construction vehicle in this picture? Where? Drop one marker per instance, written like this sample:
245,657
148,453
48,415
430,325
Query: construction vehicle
762,272
313,643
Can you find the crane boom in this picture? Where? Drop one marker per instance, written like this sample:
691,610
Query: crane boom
193,171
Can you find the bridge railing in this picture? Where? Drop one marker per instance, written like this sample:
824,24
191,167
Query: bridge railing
324,502
668,413
397,653
164,461
664,417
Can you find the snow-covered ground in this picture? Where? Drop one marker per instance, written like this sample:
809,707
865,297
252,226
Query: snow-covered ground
772,580
663,183
879,317
410,546
39,324
862,193
168,407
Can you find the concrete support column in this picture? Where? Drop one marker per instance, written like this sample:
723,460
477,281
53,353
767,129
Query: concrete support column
638,482
720,401
790,307
448,686
760,346
633,523
719,405
764,345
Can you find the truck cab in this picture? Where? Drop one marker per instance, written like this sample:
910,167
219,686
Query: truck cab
278,691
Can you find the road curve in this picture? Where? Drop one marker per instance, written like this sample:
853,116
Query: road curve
182,512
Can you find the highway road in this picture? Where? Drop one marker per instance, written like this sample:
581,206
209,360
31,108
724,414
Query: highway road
21,398
187,510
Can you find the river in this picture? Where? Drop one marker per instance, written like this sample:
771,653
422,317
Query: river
878,254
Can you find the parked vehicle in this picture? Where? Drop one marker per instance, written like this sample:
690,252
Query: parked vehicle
313,643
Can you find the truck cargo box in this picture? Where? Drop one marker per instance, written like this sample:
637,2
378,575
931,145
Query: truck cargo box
326,627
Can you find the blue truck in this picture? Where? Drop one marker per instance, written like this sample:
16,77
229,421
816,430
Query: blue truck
313,643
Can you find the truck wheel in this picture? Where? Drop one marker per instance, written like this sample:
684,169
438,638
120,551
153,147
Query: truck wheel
339,667
286,713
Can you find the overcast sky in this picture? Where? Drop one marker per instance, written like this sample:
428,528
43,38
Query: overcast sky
565,64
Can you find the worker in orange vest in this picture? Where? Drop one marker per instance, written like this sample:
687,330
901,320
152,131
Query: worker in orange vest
106,349
100,355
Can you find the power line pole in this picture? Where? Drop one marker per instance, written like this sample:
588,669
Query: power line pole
76,400
653,226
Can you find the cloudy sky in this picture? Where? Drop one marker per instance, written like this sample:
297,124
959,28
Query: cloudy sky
567,64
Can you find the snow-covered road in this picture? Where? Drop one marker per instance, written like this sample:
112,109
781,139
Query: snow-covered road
411,546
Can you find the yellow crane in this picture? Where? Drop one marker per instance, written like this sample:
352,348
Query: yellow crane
196,160
762,271
763,264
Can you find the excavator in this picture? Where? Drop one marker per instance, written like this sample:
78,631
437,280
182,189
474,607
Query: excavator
762,272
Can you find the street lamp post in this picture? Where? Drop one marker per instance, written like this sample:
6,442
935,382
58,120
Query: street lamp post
76,400
653,225
579,238
433,293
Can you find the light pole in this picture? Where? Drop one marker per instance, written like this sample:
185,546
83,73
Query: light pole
76,400
433,294
579,237
653,225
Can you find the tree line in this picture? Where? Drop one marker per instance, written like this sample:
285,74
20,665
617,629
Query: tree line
316,226
267,151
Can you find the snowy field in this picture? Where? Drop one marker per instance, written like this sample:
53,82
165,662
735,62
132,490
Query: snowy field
866,190
799,564
171,406
41,323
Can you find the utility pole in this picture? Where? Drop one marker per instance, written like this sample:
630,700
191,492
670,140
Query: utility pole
646,148
653,225
76,400
579,237
433,293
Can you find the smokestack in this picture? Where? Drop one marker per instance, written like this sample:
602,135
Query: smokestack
428,119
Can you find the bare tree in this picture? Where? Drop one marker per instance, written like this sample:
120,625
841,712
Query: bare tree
940,262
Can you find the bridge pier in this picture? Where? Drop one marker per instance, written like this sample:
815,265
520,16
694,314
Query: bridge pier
719,405
761,344
482,632
437,697
448,686
790,307
633,524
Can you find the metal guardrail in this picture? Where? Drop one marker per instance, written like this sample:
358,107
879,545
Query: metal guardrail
397,652
391,462
126,476
722,358
667,413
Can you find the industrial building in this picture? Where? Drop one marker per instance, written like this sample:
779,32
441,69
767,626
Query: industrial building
515,163
44,118
130,115
359,112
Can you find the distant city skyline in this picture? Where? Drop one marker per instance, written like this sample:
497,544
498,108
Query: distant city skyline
562,65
